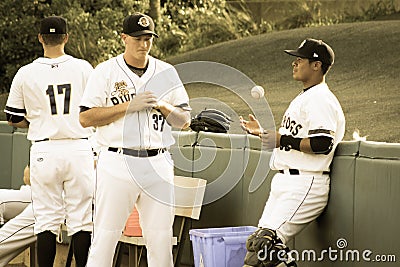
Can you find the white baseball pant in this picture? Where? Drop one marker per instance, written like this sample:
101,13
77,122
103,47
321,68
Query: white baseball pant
121,182
16,235
13,202
61,174
294,201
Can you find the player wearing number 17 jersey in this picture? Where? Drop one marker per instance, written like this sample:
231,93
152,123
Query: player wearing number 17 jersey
45,97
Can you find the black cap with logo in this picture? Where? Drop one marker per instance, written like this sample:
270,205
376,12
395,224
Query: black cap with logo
315,50
138,24
53,25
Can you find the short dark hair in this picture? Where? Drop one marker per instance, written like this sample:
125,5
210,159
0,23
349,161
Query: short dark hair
53,39
325,67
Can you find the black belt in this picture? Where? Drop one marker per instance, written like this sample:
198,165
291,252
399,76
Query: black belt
297,172
47,139
141,153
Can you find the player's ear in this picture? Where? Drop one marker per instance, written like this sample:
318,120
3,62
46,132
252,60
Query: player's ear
123,37
317,65
66,38
40,38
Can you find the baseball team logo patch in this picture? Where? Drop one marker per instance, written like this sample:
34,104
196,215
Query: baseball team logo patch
120,85
122,93
144,22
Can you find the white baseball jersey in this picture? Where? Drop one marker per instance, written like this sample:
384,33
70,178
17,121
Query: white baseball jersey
315,112
112,83
47,92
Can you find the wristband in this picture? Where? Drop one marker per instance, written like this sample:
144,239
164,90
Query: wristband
288,142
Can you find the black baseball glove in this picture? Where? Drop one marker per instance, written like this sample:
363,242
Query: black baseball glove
211,120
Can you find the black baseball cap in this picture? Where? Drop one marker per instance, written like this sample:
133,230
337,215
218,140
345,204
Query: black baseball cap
314,49
138,24
53,25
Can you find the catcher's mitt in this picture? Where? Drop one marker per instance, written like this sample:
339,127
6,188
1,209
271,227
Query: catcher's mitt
211,120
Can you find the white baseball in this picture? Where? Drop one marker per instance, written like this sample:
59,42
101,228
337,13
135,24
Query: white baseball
257,92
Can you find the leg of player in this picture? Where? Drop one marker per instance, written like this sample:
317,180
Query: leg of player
16,235
110,216
46,248
13,202
78,205
156,219
80,244
155,206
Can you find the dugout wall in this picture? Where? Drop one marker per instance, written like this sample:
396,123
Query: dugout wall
361,216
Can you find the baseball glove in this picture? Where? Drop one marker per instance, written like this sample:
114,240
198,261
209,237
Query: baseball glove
211,120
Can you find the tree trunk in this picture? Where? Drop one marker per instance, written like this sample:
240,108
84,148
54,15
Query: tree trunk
155,10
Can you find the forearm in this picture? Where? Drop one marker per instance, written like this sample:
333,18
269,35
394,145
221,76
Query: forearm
305,146
175,116
100,116
22,124
312,145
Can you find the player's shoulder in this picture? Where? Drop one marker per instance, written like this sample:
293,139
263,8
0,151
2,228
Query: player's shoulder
25,69
108,64
319,90
80,62
322,96
162,65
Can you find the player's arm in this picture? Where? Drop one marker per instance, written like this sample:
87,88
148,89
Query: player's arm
100,116
176,116
312,145
22,124
17,121
15,108
272,139
27,177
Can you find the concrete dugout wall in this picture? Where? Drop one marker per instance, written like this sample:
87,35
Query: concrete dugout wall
14,155
362,209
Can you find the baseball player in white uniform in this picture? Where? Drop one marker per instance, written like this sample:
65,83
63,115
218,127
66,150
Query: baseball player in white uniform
303,149
134,99
45,97
17,214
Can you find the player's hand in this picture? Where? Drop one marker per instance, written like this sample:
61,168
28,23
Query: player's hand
27,177
252,126
144,100
270,139
160,104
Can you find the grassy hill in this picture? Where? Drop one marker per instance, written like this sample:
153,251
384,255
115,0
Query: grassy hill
365,76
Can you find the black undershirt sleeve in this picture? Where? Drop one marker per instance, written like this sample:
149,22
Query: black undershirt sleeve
14,118
321,144
83,108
